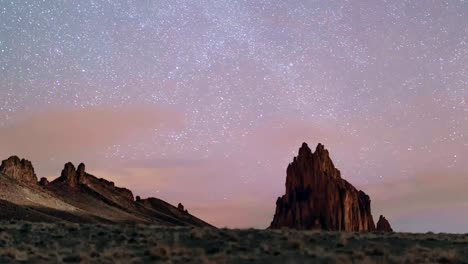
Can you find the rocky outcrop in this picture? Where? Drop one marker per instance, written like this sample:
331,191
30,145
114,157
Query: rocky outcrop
19,169
68,176
43,181
318,198
124,192
78,196
383,225
180,207
72,177
176,213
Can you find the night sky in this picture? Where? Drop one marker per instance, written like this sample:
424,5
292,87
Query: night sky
206,102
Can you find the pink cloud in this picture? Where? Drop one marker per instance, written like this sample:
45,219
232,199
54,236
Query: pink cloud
51,137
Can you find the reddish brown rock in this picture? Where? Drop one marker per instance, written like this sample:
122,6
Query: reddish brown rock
19,169
72,177
383,225
43,181
318,198
68,176
124,192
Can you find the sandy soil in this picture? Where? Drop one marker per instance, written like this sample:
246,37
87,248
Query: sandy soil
96,243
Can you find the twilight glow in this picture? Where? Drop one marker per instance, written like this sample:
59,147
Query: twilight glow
206,102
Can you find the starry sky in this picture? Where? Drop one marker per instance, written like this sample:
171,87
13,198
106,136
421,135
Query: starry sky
206,102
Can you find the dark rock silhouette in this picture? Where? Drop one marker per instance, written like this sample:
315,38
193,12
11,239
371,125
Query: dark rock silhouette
43,181
19,169
383,225
180,207
171,211
318,198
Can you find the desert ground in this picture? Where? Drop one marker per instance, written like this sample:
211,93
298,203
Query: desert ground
29,242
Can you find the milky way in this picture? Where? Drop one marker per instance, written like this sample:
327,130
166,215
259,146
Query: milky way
206,102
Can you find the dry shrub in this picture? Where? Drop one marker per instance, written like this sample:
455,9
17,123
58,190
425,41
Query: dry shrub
342,240
347,259
426,255
116,253
232,236
5,239
160,252
265,248
75,258
446,256
182,251
358,255
196,233
210,233
296,244
375,251
14,254
315,252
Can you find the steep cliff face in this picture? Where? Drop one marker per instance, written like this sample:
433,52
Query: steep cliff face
383,225
19,169
318,198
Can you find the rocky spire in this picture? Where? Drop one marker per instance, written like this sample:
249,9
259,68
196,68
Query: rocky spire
68,175
383,225
19,169
72,177
317,198
80,171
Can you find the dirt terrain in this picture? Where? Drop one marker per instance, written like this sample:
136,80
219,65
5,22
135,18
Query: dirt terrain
100,243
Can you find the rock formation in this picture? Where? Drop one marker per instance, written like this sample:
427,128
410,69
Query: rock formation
80,197
20,170
383,225
180,207
178,212
68,176
72,177
43,181
318,198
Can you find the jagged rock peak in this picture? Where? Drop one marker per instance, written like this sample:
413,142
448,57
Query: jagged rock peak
69,175
383,225
72,176
320,158
318,198
19,169
81,169
304,151
321,151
